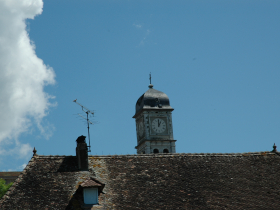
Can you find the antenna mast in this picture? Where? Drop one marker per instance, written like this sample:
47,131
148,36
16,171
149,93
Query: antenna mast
87,111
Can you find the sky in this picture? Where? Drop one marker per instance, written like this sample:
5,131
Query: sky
218,62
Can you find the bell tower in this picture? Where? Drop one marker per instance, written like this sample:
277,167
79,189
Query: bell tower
153,119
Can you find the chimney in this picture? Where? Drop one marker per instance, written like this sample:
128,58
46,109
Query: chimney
82,153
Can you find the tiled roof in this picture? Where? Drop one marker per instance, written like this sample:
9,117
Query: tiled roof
91,183
163,181
14,173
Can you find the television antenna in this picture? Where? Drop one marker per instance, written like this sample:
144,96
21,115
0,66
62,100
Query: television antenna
88,112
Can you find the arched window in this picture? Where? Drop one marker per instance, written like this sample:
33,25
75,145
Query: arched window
165,151
156,151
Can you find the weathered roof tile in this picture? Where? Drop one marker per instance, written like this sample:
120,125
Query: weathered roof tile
172,181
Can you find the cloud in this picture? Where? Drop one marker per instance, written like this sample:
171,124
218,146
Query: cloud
22,166
142,42
137,25
147,32
22,74
19,168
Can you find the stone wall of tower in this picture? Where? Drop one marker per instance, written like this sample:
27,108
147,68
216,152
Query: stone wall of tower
148,146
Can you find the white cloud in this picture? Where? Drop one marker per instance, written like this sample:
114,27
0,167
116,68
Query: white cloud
22,74
137,25
145,37
25,150
147,32
22,166
19,150
19,168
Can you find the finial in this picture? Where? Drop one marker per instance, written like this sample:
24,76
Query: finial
34,152
150,86
274,148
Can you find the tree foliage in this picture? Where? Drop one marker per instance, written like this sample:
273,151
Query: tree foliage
4,187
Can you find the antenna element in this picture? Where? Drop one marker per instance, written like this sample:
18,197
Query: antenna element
87,111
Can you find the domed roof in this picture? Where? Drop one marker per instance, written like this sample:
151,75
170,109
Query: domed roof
152,99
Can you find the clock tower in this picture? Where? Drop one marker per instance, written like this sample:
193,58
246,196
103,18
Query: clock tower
154,123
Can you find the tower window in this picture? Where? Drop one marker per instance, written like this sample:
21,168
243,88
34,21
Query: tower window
165,151
156,151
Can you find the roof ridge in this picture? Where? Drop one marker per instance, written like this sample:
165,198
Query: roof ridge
188,154
261,153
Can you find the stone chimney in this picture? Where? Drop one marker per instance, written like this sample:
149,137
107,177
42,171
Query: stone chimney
82,153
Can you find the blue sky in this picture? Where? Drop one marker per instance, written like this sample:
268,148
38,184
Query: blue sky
218,61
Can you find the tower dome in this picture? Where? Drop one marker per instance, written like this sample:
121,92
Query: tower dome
152,99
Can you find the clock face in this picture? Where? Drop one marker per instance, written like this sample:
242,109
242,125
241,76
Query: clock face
158,125
140,128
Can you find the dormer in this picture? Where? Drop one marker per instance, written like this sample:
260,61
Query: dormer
91,190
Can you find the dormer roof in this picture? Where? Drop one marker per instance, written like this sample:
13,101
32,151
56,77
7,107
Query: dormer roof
91,182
